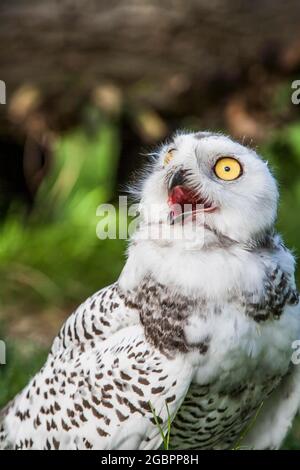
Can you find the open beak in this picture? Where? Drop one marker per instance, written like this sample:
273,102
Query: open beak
184,199
177,179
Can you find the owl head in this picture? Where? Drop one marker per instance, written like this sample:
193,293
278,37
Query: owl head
212,185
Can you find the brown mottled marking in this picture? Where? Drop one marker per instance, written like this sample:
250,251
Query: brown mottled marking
88,445
120,416
82,418
37,421
102,433
119,385
53,424
78,407
107,404
56,443
104,322
48,446
96,330
170,399
86,404
156,390
140,371
137,390
132,408
107,387
162,378
125,376
70,413
145,405
95,400
65,426
96,413
56,406
143,381
120,399
74,422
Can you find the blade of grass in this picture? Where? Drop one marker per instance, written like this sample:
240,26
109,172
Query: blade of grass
247,429
165,437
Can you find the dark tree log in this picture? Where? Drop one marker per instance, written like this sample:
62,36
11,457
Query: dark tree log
166,48
163,60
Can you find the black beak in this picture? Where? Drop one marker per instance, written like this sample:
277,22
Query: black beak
177,179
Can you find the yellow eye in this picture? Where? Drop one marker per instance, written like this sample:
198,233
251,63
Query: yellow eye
168,157
228,169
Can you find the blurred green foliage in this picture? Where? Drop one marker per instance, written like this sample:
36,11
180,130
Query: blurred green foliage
23,360
55,256
282,151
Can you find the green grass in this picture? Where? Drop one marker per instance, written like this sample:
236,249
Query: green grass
164,435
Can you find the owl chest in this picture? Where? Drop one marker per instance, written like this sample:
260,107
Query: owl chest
237,347
237,364
240,368
212,418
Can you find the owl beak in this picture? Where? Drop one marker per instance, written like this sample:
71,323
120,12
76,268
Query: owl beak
180,195
177,179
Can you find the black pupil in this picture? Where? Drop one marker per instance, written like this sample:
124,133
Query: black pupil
227,168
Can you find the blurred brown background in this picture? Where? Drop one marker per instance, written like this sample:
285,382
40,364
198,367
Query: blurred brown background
156,65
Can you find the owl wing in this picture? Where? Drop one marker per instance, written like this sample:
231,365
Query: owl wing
118,394
96,319
104,313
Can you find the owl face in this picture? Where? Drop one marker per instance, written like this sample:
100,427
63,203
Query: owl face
227,184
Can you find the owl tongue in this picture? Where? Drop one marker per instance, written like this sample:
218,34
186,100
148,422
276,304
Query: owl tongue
183,200
181,195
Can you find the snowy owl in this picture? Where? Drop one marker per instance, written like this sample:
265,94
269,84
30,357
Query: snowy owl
194,342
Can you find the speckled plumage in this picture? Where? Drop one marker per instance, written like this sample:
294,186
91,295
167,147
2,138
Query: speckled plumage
204,336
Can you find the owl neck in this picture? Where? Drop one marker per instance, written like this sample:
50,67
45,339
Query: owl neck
215,273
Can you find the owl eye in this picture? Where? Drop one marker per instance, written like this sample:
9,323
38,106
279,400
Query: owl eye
168,157
228,169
